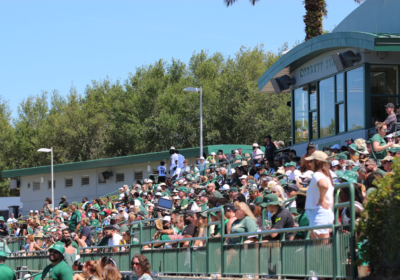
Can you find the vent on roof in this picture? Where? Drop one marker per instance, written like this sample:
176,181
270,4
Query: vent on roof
69,182
85,180
36,185
120,176
138,175
54,184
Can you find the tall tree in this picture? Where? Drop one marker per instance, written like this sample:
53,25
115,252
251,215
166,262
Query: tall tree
315,11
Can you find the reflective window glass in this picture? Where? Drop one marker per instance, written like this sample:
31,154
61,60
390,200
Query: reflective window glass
378,113
383,80
339,87
327,107
355,99
314,121
313,96
301,115
341,117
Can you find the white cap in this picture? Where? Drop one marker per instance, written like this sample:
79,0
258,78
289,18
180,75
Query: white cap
185,183
176,197
159,189
149,181
158,194
172,148
150,204
31,211
201,157
131,206
225,187
389,136
65,214
120,208
213,153
121,188
167,218
307,174
236,151
175,191
162,184
243,177
336,146
335,162
255,145
36,211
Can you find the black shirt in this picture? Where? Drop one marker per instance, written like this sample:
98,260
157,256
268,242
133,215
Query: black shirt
190,230
4,229
269,150
282,219
86,232
63,205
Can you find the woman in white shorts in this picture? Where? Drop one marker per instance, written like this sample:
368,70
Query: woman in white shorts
319,200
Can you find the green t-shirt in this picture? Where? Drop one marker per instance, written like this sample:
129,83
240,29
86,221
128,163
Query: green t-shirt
217,230
47,211
382,142
246,224
184,202
6,272
303,222
380,171
60,271
141,207
94,223
73,244
75,219
258,199
203,207
164,237
103,241
97,206
217,194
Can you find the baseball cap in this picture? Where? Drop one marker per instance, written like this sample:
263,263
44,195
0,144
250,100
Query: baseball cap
243,177
176,197
270,199
158,194
306,182
75,203
335,162
318,155
189,213
184,189
233,189
59,248
121,188
120,209
253,188
229,206
159,188
167,218
225,187
64,197
255,145
31,211
213,153
294,187
336,146
201,157
389,105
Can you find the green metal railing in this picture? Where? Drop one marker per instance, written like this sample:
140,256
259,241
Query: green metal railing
332,257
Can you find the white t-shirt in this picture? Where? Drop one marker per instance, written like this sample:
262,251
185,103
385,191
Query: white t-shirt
114,240
161,171
181,158
16,232
174,158
11,220
292,175
313,192
121,196
177,172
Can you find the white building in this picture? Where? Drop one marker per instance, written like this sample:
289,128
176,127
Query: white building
81,179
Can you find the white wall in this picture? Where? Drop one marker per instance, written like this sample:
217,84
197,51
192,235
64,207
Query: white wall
34,199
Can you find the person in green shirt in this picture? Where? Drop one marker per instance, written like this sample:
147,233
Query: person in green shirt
255,196
203,202
182,192
58,269
74,223
48,208
378,144
93,221
5,271
245,221
211,190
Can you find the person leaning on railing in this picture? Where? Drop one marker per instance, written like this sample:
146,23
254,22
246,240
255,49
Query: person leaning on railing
320,195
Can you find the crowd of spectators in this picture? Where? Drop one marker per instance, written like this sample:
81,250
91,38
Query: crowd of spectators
291,191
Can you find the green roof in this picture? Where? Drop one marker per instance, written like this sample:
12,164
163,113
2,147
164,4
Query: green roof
107,162
327,42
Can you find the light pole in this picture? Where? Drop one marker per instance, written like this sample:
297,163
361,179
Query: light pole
192,89
44,150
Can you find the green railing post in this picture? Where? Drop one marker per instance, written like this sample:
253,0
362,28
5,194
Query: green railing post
222,238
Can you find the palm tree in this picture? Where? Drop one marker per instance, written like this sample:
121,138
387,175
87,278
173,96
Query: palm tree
315,11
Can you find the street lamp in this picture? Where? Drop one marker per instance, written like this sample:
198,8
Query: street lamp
44,150
192,89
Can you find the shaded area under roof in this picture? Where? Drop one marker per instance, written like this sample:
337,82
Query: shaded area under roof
108,162
324,43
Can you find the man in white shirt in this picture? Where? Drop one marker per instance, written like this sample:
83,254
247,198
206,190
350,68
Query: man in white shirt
257,154
181,159
174,159
11,220
114,238
121,193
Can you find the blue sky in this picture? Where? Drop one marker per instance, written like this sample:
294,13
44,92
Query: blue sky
49,45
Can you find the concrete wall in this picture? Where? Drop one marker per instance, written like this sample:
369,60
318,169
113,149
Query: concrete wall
34,199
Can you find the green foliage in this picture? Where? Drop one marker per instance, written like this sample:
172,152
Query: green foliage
379,225
149,112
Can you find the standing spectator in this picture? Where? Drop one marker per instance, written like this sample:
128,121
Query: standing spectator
58,269
212,158
186,168
47,207
304,164
174,159
379,145
391,119
269,149
320,195
74,223
141,267
162,171
63,203
181,159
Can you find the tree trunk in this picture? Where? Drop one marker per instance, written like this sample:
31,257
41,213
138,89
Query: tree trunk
315,11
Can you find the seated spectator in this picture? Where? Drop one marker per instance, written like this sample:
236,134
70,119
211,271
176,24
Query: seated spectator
141,267
113,236
387,164
305,165
245,222
92,270
111,273
302,219
278,190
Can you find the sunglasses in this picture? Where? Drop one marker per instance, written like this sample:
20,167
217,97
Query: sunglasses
289,190
135,263
253,192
